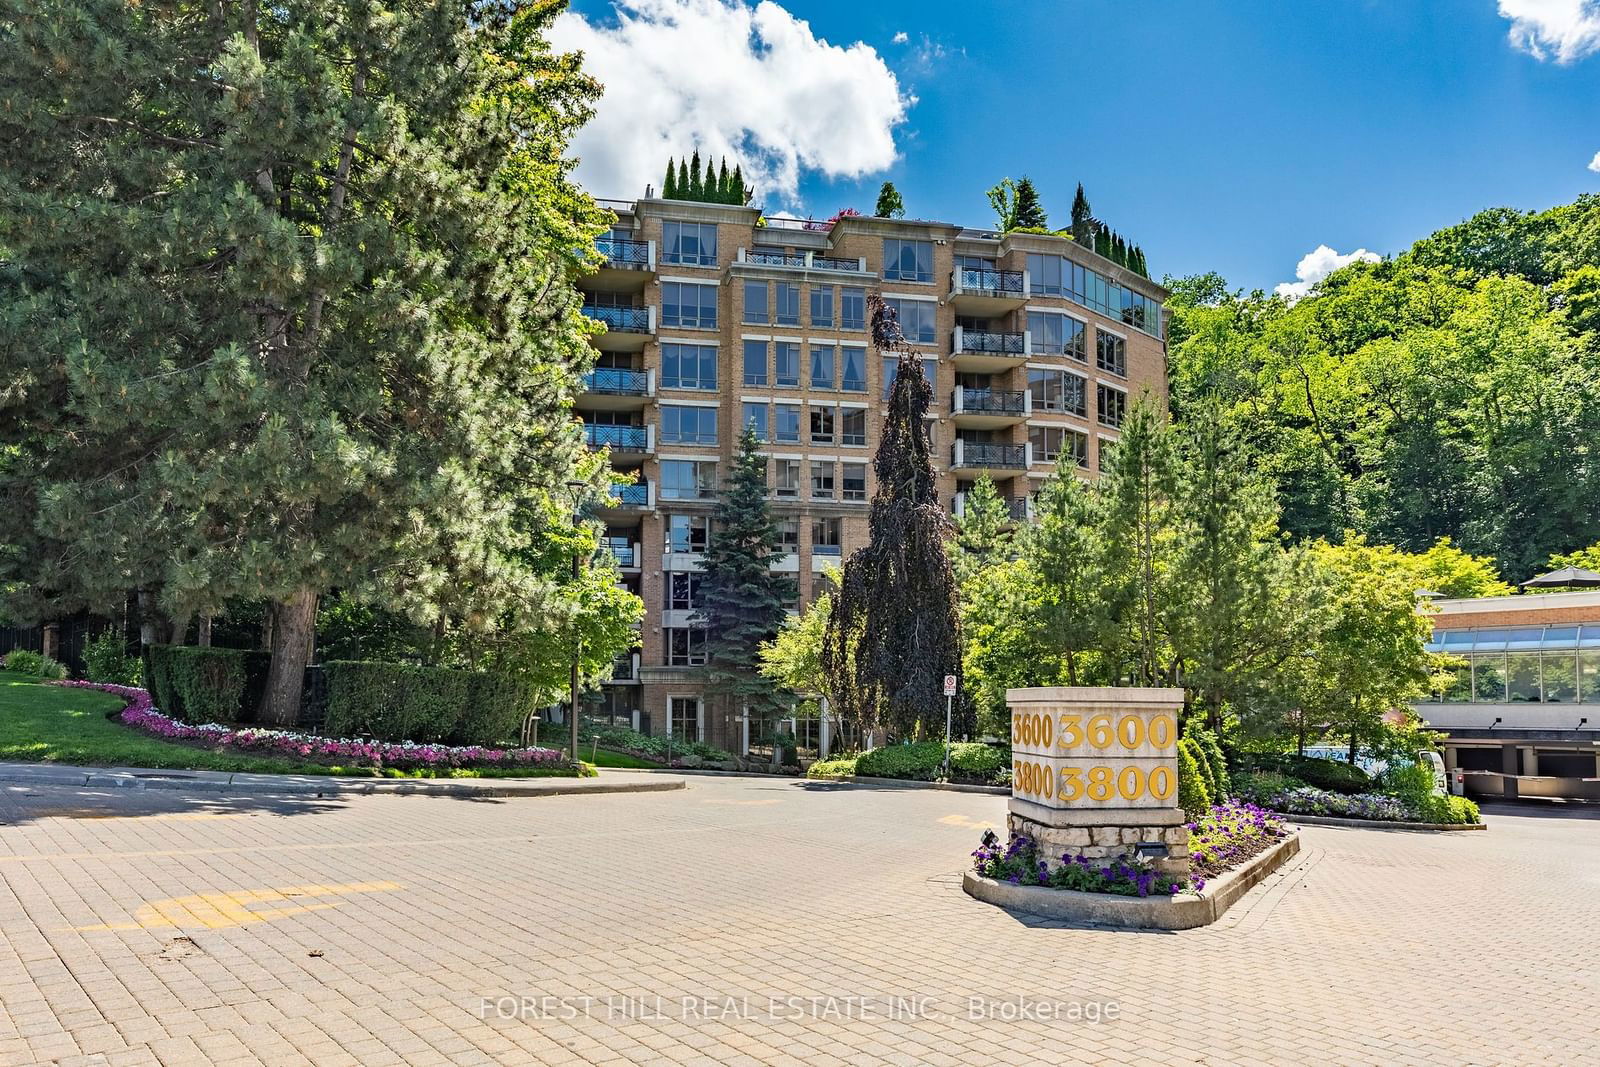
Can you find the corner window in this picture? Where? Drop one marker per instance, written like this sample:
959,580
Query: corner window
1058,390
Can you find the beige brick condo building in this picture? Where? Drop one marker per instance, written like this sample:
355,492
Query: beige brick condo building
717,318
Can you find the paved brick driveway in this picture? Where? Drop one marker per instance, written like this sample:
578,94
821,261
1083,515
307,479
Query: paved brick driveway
156,928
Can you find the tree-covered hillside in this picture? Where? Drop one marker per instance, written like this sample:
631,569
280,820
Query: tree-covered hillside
1451,391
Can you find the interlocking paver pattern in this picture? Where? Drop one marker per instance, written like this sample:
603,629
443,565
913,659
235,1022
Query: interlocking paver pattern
804,923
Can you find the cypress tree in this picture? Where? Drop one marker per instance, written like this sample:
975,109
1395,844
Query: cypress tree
741,195
1027,212
724,184
893,631
697,187
744,596
208,294
1082,219
669,187
681,189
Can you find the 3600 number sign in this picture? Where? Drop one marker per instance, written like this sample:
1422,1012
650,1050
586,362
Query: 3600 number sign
1116,757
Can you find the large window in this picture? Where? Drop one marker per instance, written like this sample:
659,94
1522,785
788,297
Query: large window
788,304
689,306
822,305
917,318
822,425
1051,443
692,244
755,363
685,591
825,537
1044,274
788,533
688,426
852,426
754,416
688,479
1053,334
688,366
686,647
786,478
787,424
853,364
1056,276
788,363
907,261
891,368
683,713
1058,390
757,311
687,533
822,366
1111,405
855,481
1557,664
852,308
822,479
1111,353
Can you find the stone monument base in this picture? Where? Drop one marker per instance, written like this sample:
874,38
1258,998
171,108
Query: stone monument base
1096,838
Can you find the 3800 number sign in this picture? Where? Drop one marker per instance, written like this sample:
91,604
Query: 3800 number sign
1113,757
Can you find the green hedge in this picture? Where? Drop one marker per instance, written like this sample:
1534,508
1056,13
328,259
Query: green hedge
401,702
924,761
1194,797
1336,776
1215,766
198,685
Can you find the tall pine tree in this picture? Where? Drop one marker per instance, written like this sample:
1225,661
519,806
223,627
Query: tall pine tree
1063,546
681,189
669,187
697,185
983,530
724,186
1027,212
744,596
1083,229
300,319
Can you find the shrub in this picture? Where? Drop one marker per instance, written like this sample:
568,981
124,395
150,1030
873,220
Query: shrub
829,768
23,661
1193,796
106,659
1261,787
1412,782
1333,775
1218,780
622,739
923,761
403,702
198,685
1202,759
1448,810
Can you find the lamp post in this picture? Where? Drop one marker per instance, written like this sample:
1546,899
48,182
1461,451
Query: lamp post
577,488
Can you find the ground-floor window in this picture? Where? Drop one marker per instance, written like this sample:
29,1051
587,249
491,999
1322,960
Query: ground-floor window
684,715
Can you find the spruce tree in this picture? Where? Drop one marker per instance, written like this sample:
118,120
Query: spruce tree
697,185
1028,212
1082,219
889,205
300,319
893,633
669,188
1063,546
744,596
983,531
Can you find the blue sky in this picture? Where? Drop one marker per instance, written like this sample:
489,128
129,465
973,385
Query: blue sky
1235,135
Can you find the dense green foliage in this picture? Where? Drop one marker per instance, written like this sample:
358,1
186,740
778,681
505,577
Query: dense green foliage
1453,391
37,665
198,685
287,308
921,761
1333,775
1194,796
622,739
106,659
399,702
1208,751
716,186
889,205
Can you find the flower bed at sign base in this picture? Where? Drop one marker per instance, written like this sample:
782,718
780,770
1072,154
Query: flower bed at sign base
141,715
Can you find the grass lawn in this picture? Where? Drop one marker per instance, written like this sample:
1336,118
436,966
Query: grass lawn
53,724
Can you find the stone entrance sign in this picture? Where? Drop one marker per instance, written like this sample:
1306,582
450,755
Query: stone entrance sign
1094,771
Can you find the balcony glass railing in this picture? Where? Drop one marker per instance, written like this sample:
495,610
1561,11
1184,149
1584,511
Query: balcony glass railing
636,495
620,319
989,402
621,252
617,381
621,438
621,549
987,281
1007,344
992,456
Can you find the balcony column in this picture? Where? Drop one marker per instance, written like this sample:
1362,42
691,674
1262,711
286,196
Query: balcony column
650,382
808,259
652,255
652,320
824,729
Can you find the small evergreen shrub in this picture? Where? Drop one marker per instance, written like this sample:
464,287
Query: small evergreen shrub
1217,778
106,659
404,702
1193,796
830,768
923,761
1201,759
22,661
198,685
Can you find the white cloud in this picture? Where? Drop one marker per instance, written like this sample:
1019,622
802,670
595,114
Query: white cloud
1563,30
1317,265
1594,164
901,38
752,83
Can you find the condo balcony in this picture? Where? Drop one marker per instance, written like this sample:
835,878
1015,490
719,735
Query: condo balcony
990,408
628,327
617,389
988,351
997,459
1018,508
640,496
628,265
624,550
986,292
774,257
624,441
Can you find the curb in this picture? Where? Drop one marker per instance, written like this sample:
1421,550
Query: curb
909,783
1378,824
1140,913
176,782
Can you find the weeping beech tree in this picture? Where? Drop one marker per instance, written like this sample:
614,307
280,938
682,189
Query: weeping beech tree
893,632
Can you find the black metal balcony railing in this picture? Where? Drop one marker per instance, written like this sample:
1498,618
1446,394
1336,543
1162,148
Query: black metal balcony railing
620,319
621,438
621,252
621,549
986,281
990,402
623,668
617,381
1016,506
636,495
992,456
775,259
834,263
1006,344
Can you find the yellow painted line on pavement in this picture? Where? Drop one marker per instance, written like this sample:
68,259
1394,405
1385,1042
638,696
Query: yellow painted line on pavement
218,911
